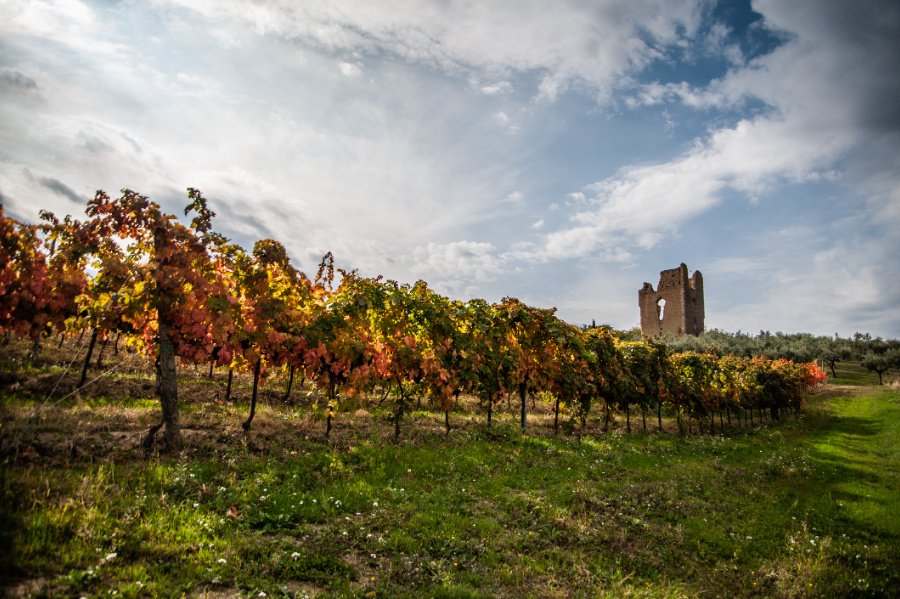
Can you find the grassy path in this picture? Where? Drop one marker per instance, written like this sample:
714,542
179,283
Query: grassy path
855,445
807,507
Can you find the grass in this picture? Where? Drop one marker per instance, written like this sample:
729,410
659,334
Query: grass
850,372
806,507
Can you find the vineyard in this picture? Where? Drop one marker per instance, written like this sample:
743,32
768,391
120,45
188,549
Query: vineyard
132,275
183,418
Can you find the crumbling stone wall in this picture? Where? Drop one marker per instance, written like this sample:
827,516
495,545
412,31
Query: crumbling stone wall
675,306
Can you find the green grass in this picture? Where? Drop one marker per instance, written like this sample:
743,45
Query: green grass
851,372
807,507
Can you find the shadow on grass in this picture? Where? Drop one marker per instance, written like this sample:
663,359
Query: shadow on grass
826,425
851,467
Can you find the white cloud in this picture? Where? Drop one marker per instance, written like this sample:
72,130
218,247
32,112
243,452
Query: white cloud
817,117
550,87
574,41
504,120
841,288
497,88
655,93
47,18
365,180
349,69
457,268
71,23
514,197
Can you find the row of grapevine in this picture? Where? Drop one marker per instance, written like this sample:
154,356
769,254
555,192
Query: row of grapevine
172,291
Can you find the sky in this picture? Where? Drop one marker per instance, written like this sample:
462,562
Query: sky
559,152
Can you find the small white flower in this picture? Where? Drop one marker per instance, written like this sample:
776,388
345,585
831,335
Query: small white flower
262,497
196,505
373,556
262,594
344,533
295,555
222,561
374,504
110,556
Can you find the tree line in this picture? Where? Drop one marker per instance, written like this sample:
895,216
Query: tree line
875,354
183,292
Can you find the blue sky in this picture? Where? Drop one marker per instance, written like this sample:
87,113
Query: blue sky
558,152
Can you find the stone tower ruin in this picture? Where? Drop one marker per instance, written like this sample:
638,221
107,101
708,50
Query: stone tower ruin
675,307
